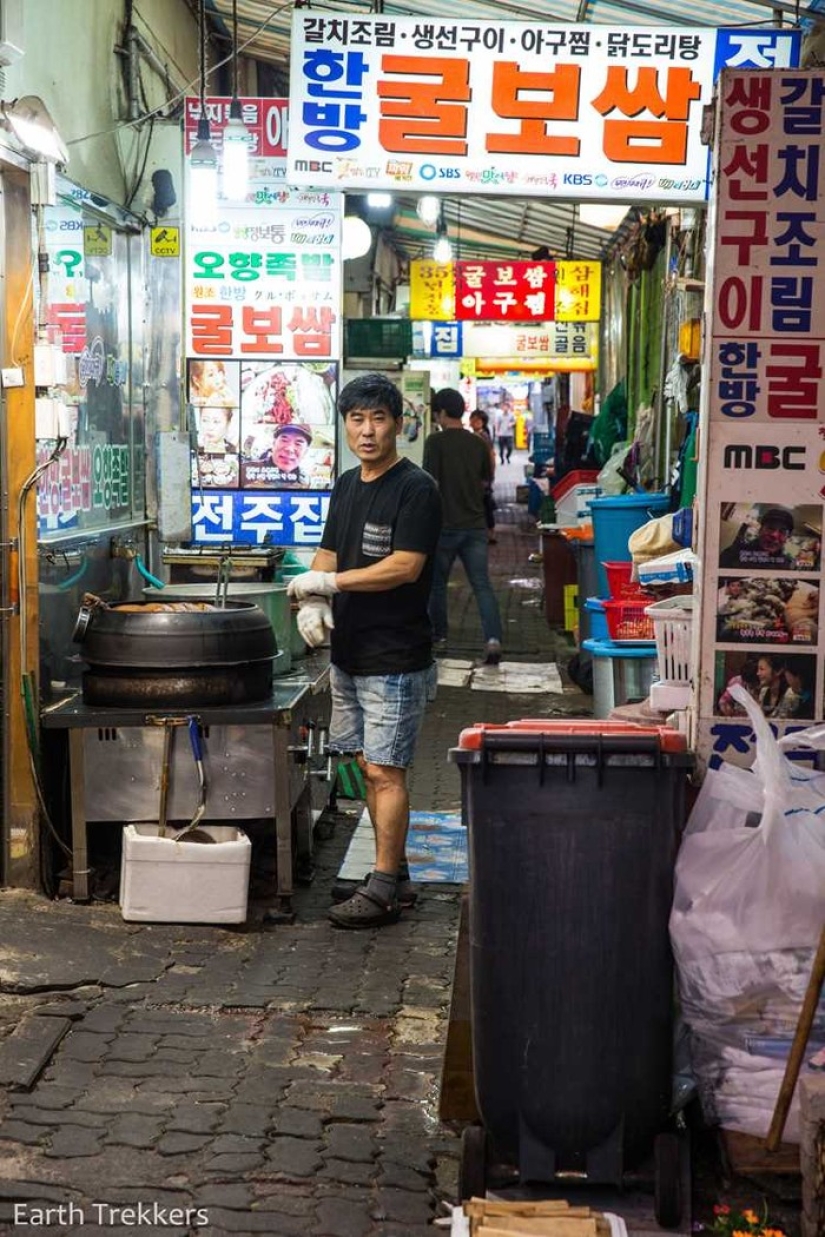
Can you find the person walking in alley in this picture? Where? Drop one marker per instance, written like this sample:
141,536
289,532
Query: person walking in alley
479,424
369,587
504,426
461,465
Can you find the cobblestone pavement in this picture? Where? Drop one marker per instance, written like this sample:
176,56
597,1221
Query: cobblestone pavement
270,1079
167,1079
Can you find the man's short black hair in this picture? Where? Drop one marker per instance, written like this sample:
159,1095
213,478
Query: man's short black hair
371,391
450,402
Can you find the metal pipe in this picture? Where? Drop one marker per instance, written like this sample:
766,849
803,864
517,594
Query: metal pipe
663,467
132,73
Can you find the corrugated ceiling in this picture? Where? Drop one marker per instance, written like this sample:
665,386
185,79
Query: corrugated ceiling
483,226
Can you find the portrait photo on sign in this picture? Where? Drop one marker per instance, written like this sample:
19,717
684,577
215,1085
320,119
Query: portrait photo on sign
214,383
782,684
767,610
770,537
288,425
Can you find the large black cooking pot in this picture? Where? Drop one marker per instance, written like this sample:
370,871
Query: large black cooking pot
140,655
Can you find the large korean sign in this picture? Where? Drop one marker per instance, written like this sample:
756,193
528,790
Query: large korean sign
263,330
567,291
520,108
761,611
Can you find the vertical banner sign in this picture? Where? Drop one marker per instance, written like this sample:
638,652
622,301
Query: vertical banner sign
510,107
262,291
761,604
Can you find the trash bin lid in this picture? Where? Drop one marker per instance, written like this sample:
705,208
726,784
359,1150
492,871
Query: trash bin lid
538,728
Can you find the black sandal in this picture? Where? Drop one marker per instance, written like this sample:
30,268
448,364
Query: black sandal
406,893
364,910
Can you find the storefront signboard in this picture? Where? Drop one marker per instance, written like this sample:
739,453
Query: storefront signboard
761,609
235,518
516,108
564,291
263,292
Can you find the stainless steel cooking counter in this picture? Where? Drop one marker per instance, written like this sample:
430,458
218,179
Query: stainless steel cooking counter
265,760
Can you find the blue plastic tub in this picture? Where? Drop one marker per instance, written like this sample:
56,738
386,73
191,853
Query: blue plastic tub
598,620
615,517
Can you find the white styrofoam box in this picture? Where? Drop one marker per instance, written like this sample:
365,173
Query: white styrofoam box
163,881
45,418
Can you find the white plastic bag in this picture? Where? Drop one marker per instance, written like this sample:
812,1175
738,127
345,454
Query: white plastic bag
608,480
749,905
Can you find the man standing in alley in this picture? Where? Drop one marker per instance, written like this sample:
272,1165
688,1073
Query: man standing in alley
461,465
369,586
505,432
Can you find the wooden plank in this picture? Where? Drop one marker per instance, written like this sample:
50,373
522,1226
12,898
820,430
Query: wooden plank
457,1099
747,1154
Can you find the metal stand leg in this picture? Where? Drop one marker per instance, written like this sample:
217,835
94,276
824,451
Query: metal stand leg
281,911
80,848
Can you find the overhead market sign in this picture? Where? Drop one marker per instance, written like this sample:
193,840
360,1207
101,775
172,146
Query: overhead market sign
567,111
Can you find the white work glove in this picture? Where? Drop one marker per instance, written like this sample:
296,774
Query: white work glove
312,584
315,620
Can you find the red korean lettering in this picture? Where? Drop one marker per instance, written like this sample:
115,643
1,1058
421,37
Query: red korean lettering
758,219
559,102
747,170
793,384
312,330
261,329
427,117
739,303
657,141
212,330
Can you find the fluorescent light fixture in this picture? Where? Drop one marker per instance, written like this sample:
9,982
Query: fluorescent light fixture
428,208
203,178
356,238
605,215
380,201
29,120
236,140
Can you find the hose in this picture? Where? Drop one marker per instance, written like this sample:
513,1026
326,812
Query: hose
147,575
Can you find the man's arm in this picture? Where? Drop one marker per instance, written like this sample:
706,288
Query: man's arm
325,560
400,567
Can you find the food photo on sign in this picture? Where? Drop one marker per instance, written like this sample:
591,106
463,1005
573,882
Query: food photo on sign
214,396
769,536
288,425
781,684
767,610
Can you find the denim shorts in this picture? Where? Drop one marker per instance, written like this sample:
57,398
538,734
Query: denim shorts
381,714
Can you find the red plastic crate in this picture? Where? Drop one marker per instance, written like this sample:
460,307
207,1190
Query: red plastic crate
627,622
619,582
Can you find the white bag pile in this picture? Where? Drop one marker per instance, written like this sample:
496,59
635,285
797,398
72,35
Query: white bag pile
749,906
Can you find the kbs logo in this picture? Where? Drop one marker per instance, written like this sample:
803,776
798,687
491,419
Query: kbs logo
742,455
577,178
312,165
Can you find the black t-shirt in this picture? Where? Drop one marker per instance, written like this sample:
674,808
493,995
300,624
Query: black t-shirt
387,632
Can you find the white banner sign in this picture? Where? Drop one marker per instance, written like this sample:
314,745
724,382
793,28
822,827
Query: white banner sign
566,111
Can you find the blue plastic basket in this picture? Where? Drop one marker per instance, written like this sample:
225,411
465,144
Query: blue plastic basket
615,517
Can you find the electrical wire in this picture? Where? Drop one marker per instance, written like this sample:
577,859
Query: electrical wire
130,124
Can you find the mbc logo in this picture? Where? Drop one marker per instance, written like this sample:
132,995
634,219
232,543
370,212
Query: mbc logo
312,165
742,455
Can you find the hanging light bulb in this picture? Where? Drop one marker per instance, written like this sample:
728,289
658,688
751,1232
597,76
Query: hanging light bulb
442,250
428,208
356,238
235,134
203,178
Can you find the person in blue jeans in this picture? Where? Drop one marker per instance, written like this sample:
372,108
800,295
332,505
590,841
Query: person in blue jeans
368,591
460,463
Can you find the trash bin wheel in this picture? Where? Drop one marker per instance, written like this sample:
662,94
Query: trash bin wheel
667,1198
472,1169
